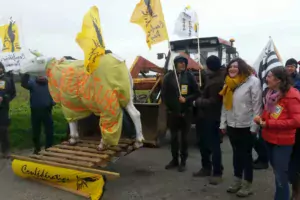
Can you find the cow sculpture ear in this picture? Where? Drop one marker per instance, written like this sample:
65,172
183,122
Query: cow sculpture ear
35,52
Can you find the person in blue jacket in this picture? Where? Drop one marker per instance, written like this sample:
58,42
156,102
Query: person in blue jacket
41,104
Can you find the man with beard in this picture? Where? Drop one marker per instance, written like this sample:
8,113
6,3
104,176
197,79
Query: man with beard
7,93
41,104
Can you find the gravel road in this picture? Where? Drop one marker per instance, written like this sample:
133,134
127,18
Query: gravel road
143,178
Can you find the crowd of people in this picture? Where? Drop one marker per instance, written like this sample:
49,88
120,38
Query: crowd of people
233,101
41,104
230,101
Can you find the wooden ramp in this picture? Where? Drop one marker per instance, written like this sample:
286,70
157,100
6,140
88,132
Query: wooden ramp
83,156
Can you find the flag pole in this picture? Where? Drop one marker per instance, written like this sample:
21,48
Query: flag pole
199,61
174,68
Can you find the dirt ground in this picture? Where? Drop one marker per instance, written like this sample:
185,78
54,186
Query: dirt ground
143,177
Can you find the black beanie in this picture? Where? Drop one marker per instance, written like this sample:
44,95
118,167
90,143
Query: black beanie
291,61
213,63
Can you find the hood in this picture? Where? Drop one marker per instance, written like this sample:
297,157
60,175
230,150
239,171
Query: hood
293,93
181,58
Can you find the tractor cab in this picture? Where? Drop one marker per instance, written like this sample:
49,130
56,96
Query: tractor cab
208,46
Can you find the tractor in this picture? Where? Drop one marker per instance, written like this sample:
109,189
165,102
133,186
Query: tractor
147,88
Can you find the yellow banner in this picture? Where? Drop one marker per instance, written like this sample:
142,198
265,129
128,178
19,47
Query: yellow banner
149,15
90,40
87,183
9,34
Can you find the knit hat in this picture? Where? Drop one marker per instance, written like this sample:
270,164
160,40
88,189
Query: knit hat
181,59
291,61
213,63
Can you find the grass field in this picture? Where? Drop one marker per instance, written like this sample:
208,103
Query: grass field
20,128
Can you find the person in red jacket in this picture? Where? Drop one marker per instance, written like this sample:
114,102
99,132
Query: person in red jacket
279,121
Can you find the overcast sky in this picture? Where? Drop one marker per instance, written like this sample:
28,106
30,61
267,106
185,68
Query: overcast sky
50,26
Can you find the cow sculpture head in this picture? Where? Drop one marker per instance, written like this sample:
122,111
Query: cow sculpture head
35,66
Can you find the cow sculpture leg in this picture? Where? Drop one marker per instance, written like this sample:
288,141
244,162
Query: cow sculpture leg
74,135
135,116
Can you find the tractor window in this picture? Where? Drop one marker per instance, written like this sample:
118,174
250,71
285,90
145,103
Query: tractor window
205,53
224,56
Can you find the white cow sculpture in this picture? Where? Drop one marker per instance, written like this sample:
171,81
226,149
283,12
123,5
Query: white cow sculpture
112,74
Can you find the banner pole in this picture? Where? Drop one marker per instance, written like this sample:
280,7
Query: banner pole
174,68
199,61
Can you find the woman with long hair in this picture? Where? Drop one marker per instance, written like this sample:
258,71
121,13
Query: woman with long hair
242,100
279,120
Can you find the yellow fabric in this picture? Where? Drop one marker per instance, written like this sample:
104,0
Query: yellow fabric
153,25
5,31
87,183
227,92
103,92
90,40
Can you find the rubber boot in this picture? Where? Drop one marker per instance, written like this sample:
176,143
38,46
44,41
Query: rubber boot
172,164
235,186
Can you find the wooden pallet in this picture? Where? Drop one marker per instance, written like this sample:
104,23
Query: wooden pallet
83,156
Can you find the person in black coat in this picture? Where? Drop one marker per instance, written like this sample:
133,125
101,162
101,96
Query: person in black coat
209,107
180,109
7,93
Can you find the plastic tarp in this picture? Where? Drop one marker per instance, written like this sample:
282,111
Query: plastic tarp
103,92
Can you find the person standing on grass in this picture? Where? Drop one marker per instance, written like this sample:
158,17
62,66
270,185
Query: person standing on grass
279,121
41,104
242,100
7,93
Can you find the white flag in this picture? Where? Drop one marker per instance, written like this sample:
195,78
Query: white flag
12,51
187,23
268,59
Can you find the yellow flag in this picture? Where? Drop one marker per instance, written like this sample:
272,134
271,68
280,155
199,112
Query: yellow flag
90,40
9,35
148,14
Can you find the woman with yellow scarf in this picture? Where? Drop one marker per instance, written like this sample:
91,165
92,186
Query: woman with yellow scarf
242,100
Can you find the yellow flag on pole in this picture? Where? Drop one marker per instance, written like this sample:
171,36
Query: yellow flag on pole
9,34
90,40
148,14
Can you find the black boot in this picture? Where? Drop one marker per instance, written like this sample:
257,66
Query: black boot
36,151
202,173
182,166
173,164
258,165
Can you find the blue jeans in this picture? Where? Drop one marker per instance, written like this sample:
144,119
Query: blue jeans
210,145
279,158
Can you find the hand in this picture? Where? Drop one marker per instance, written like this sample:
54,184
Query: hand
223,131
1,99
262,124
194,103
257,119
181,99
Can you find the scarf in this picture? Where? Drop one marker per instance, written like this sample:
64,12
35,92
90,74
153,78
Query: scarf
271,100
230,85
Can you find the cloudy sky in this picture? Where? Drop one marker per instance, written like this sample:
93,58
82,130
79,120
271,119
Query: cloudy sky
51,25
